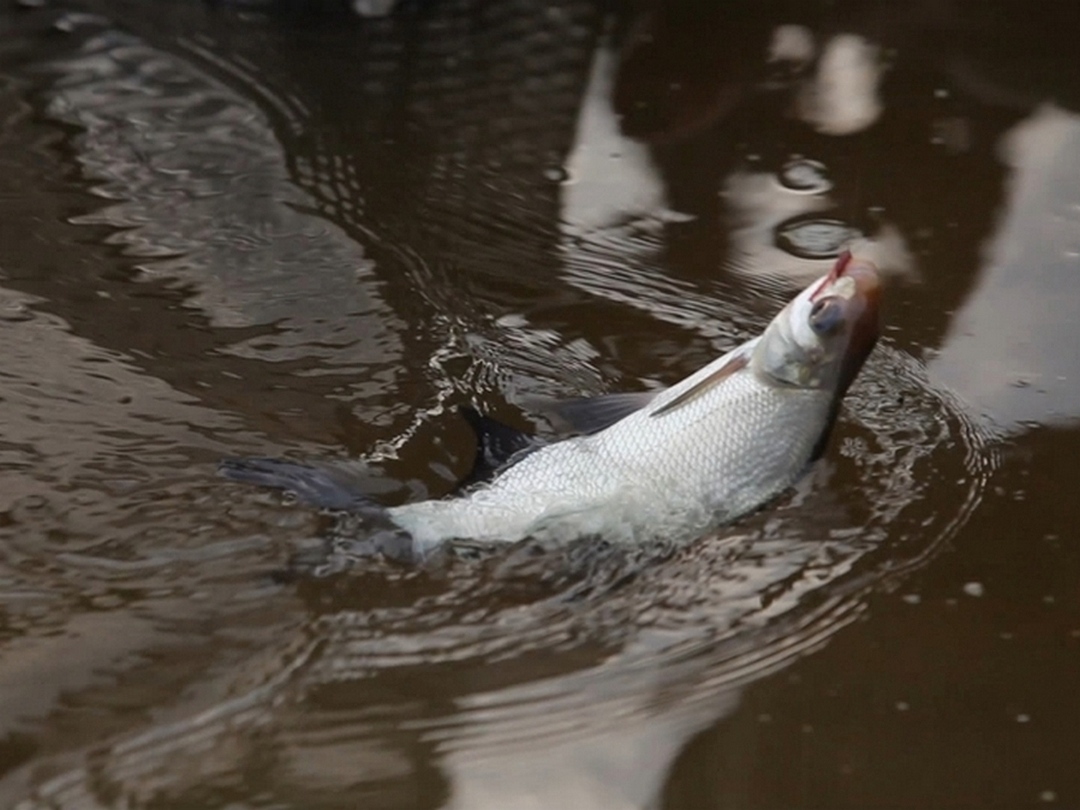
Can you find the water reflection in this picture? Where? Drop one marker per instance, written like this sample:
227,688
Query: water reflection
1006,350
610,178
199,195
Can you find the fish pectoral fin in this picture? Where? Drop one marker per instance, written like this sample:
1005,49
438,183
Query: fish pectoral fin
593,414
496,445
737,362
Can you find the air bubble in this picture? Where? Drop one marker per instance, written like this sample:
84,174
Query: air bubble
805,176
812,237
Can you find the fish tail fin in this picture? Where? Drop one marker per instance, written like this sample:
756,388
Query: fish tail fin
332,488
324,487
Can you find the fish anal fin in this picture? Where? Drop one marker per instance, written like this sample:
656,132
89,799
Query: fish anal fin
496,445
737,363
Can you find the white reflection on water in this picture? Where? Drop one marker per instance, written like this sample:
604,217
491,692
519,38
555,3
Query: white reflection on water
610,178
1010,351
614,206
842,95
622,767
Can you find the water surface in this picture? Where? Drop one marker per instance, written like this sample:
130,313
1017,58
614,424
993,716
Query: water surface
237,230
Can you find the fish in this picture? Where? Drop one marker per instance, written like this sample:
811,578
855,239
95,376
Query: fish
667,463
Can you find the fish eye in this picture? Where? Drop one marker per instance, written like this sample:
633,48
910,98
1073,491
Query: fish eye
826,316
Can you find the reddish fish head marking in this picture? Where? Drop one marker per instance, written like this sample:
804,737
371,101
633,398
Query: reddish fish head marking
842,262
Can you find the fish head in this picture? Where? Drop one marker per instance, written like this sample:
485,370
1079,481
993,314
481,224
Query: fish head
821,338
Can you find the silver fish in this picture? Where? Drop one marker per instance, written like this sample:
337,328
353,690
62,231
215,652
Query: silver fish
670,464
707,450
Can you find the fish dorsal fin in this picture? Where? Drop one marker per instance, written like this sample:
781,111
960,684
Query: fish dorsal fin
737,361
497,444
592,414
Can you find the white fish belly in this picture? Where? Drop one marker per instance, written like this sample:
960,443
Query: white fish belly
706,462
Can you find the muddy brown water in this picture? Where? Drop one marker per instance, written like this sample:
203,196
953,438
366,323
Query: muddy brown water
294,230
